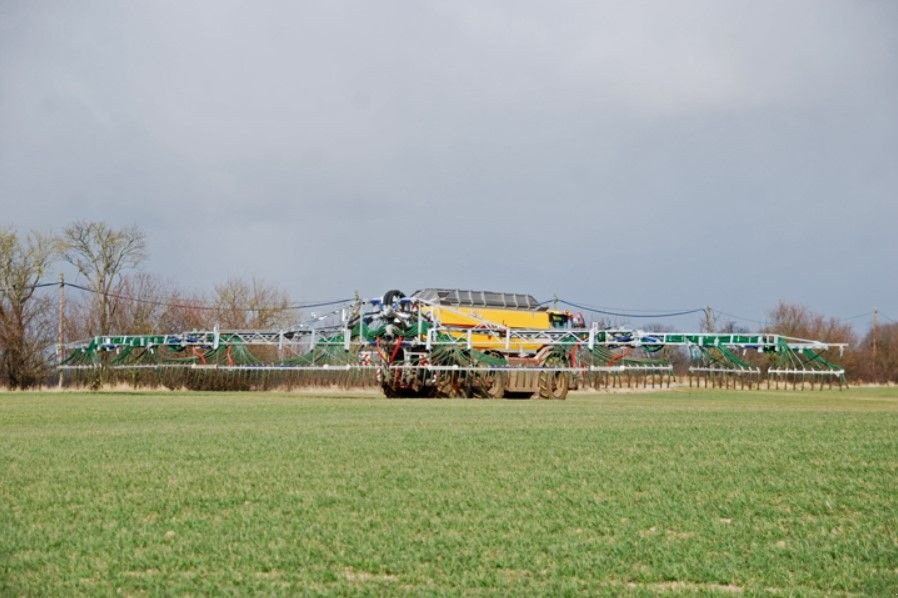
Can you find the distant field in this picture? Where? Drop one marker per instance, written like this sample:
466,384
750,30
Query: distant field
700,492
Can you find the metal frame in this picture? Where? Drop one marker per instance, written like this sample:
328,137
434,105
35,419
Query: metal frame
303,340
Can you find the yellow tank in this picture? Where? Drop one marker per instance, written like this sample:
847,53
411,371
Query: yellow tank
476,311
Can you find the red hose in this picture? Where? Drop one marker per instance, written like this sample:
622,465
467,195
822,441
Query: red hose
620,355
396,349
199,354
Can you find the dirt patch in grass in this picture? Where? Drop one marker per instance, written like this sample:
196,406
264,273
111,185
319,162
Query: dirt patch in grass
356,576
685,586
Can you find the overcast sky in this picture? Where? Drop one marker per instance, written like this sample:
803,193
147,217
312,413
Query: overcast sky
641,155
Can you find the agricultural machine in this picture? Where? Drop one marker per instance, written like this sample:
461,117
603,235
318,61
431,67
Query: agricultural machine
455,343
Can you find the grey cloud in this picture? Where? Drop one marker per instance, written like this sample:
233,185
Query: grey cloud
629,154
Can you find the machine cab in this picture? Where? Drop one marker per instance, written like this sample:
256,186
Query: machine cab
560,319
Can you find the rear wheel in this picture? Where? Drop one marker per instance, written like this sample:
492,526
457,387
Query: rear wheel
451,384
561,386
496,388
553,384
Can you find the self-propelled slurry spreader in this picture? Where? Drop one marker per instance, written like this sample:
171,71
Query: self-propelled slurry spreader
453,343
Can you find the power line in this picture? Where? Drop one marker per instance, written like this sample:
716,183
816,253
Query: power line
198,306
729,315
631,315
606,308
31,287
863,315
208,307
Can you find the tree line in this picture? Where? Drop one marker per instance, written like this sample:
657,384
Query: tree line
871,357
121,299
116,297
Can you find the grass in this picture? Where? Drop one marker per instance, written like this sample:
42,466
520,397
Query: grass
699,492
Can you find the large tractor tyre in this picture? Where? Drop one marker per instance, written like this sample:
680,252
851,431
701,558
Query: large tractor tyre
553,384
546,385
390,391
485,385
495,385
561,386
400,392
452,385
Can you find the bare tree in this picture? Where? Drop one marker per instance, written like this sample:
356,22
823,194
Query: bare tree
881,366
241,304
77,316
25,319
102,254
136,305
183,312
790,319
731,327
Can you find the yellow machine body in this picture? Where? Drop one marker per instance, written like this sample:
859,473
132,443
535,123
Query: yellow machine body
484,316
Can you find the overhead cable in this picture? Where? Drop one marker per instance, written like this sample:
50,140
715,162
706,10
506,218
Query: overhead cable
729,315
630,315
208,307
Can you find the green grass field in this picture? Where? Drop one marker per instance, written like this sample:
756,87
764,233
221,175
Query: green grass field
699,492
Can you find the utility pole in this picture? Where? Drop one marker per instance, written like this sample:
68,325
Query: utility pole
873,327
709,319
60,347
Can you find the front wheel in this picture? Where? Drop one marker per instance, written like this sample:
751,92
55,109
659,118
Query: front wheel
554,384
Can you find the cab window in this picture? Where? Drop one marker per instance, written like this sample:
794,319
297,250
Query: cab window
559,321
